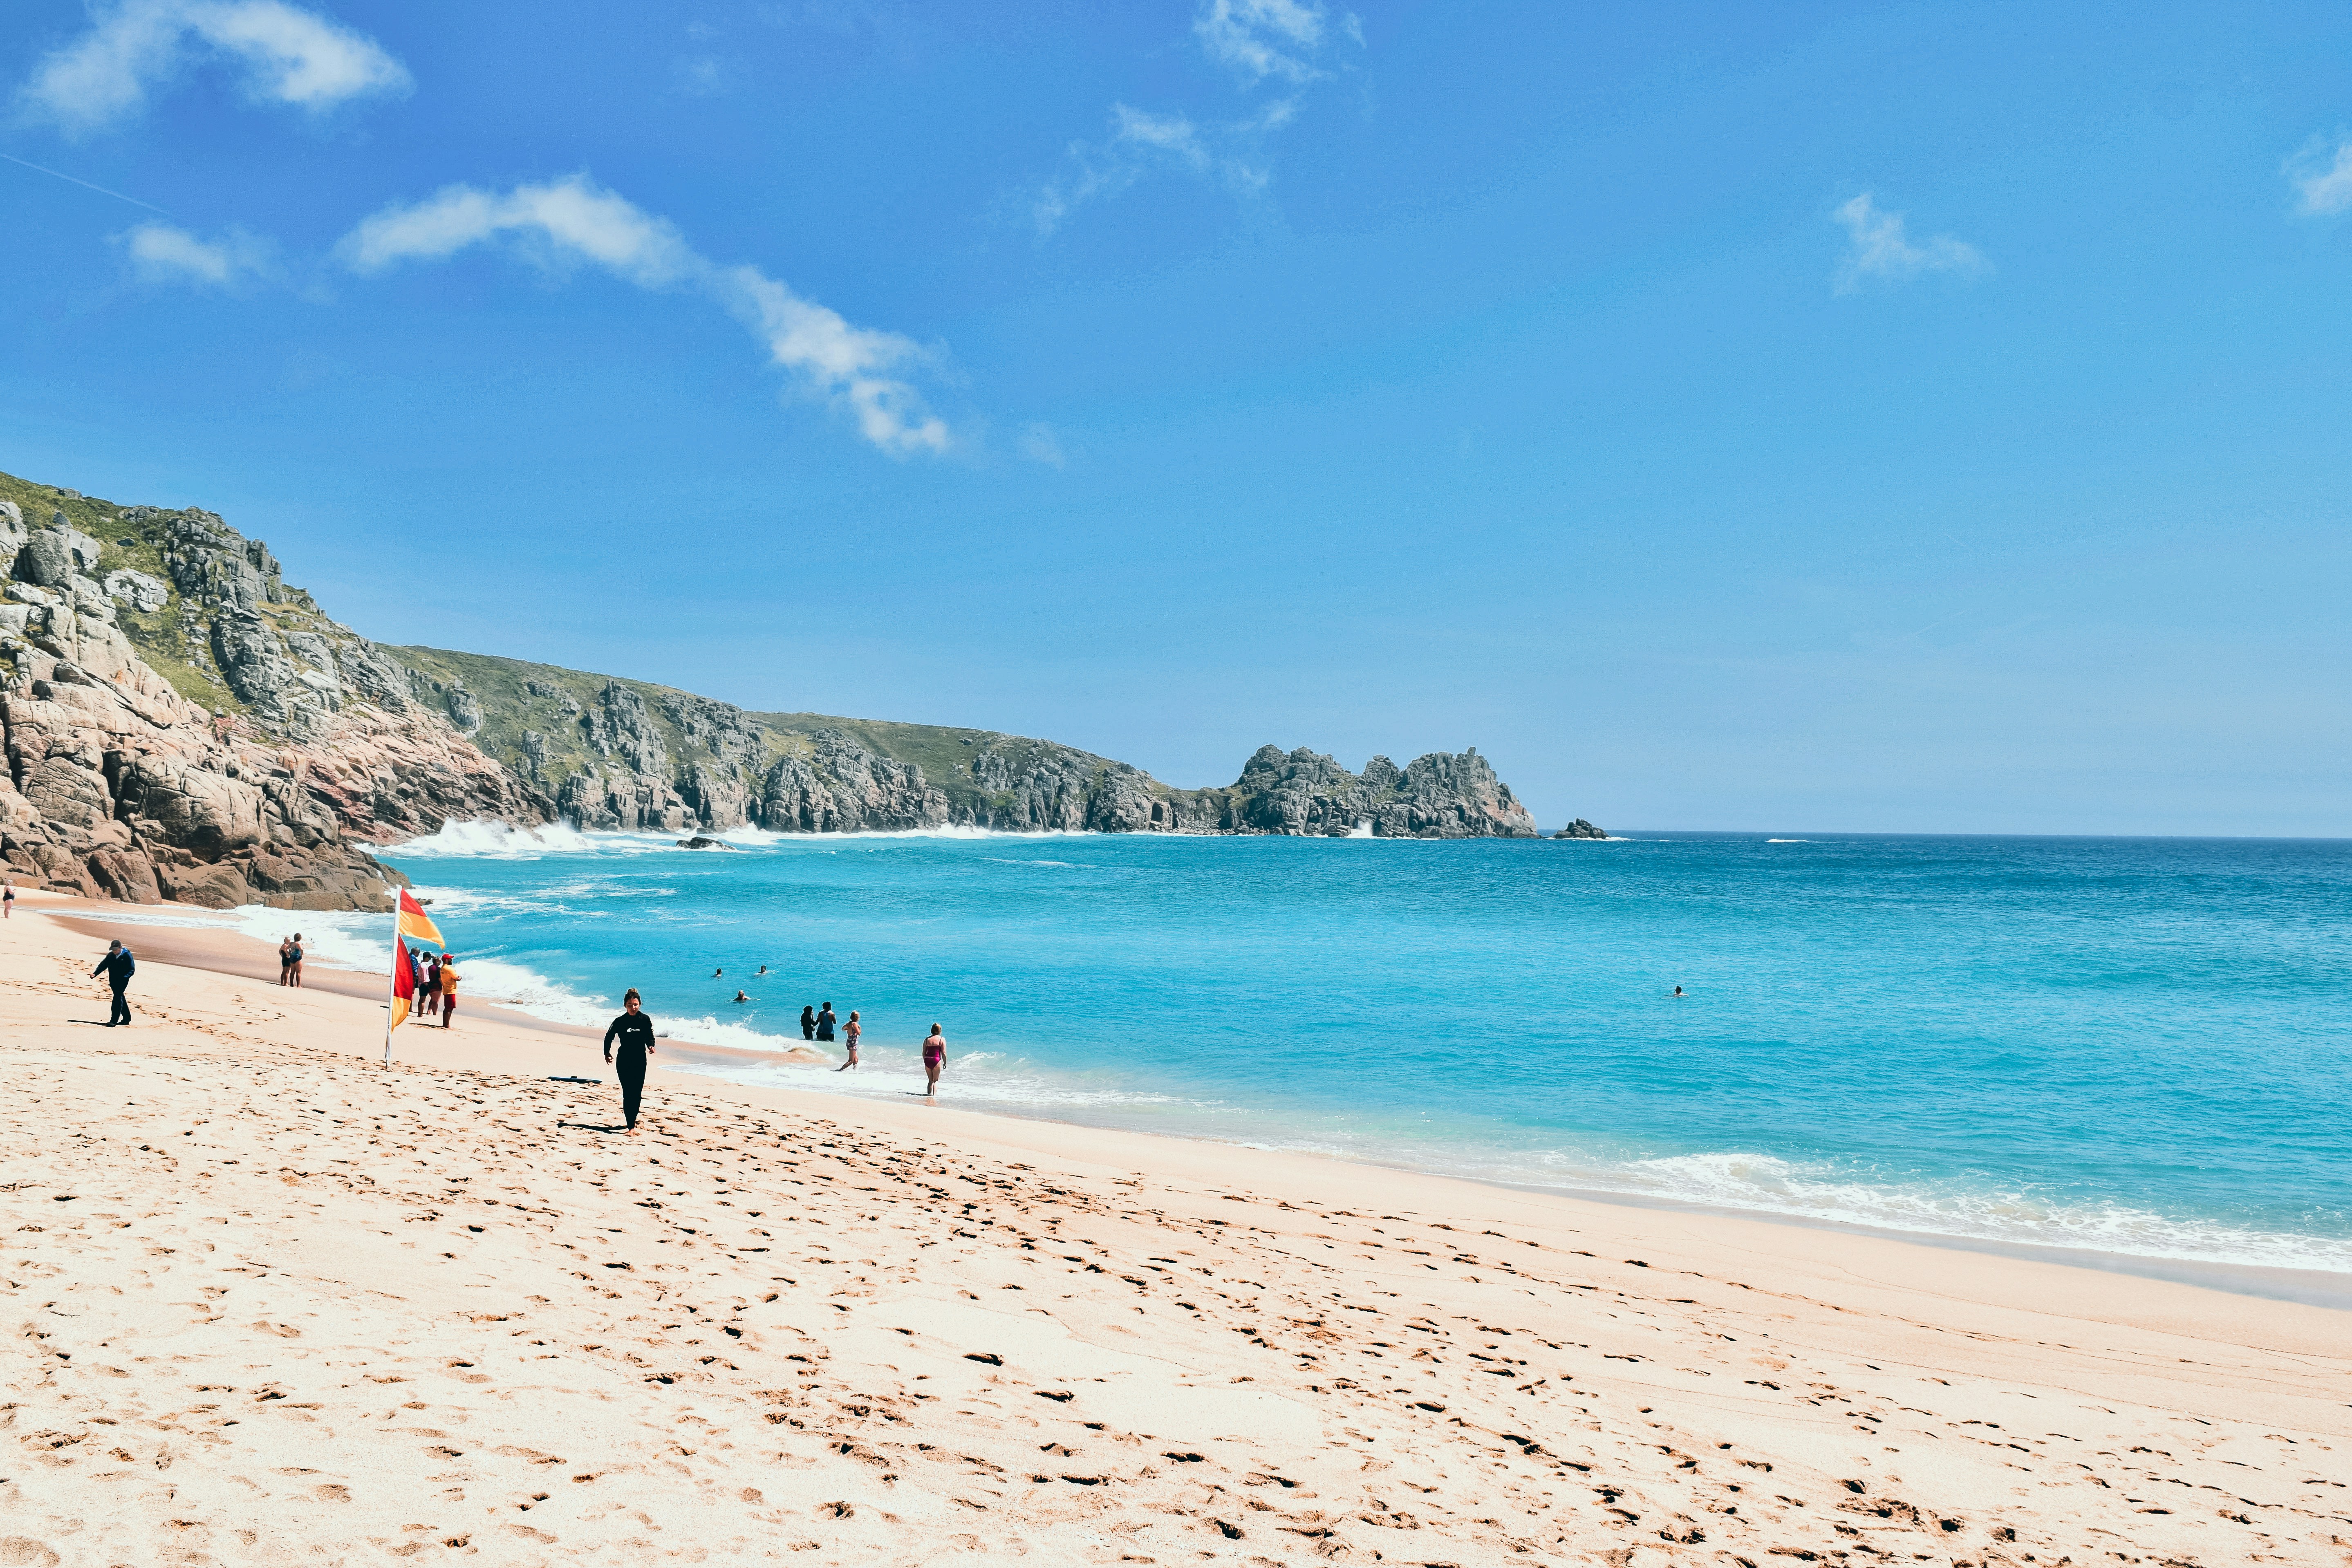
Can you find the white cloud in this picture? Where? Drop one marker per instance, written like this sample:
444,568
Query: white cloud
2323,182
1040,445
573,220
1879,248
1169,133
286,55
1259,39
1256,39
1138,142
842,362
160,253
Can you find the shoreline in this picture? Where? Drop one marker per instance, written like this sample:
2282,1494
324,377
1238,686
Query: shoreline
224,951
254,1259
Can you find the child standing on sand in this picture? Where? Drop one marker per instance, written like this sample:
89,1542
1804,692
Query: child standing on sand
849,1035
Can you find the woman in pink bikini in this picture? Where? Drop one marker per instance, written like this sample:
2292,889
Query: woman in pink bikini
935,1059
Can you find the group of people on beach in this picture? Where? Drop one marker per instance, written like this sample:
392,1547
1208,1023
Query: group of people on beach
630,1039
436,984
819,1026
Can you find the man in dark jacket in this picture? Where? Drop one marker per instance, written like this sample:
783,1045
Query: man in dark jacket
118,967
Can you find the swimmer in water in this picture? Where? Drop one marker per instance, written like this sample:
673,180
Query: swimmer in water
1679,990
763,969
740,997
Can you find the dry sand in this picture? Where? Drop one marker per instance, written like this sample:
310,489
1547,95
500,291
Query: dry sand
276,1303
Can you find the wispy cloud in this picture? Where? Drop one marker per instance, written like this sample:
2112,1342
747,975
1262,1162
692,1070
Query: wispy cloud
1040,445
2323,176
1879,250
281,53
161,253
1289,41
1137,144
573,221
1259,39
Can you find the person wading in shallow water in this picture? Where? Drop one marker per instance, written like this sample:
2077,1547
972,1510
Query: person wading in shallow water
808,1023
849,1034
634,1031
934,1060
824,1023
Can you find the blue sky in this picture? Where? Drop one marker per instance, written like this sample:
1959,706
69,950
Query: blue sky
1878,417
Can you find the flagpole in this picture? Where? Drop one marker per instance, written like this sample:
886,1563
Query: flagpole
391,979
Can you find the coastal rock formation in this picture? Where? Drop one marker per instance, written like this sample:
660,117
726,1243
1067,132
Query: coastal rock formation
180,724
832,785
1580,829
1441,796
626,754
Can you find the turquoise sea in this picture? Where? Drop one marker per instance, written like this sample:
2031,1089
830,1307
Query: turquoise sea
2136,1046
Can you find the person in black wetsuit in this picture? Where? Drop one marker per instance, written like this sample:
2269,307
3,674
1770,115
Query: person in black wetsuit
808,1023
634,1031
117,967
824,1023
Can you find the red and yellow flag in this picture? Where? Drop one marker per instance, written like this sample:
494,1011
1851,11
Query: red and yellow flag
416,922
413,922
403,982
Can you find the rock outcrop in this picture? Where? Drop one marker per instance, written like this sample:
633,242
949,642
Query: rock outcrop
1441,796
180,724
1580,829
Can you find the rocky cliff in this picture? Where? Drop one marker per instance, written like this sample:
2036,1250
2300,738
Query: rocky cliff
617,754
180,723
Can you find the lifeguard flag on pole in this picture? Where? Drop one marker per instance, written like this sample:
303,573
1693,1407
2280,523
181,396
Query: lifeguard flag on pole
416,922
412,922
404,984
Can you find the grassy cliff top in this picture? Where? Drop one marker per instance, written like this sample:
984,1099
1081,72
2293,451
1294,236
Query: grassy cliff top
133,543
518,696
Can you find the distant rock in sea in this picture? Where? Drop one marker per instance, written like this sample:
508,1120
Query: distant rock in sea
698,842
1580,829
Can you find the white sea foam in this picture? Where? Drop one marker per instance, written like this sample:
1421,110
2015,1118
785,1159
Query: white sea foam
502,841
1822,1191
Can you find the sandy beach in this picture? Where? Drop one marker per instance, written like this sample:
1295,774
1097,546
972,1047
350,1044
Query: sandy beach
275,1302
